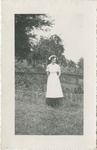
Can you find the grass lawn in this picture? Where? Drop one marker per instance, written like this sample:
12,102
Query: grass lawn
34,117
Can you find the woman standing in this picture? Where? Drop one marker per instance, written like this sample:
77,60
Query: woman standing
54,92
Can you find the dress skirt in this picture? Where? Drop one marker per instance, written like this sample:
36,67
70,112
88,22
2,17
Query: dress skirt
54,92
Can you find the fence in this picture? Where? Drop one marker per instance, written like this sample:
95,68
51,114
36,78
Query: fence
33,84
30,78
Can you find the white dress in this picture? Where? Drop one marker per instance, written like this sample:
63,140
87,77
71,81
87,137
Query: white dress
54,89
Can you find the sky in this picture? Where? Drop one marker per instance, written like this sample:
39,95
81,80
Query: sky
70,28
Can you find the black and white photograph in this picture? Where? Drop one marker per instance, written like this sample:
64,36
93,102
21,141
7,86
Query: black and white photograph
49,74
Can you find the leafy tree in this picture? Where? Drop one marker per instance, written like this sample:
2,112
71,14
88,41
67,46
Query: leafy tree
24,24
81,63
71,66
46,47
56,45
63,61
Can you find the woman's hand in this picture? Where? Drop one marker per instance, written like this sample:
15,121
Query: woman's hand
48,73
58,73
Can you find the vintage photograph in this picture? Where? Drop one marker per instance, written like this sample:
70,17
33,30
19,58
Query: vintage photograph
49,74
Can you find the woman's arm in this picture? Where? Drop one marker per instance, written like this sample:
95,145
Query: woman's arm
48,73
47,70
59,71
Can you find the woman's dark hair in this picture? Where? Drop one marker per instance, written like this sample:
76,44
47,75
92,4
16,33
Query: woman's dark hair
50,60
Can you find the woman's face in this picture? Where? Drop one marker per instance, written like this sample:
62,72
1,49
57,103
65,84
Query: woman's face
54,60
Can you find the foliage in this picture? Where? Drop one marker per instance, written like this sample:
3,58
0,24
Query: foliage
71,64
24,24
26,66
46,47
37,52
73,67
81,63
